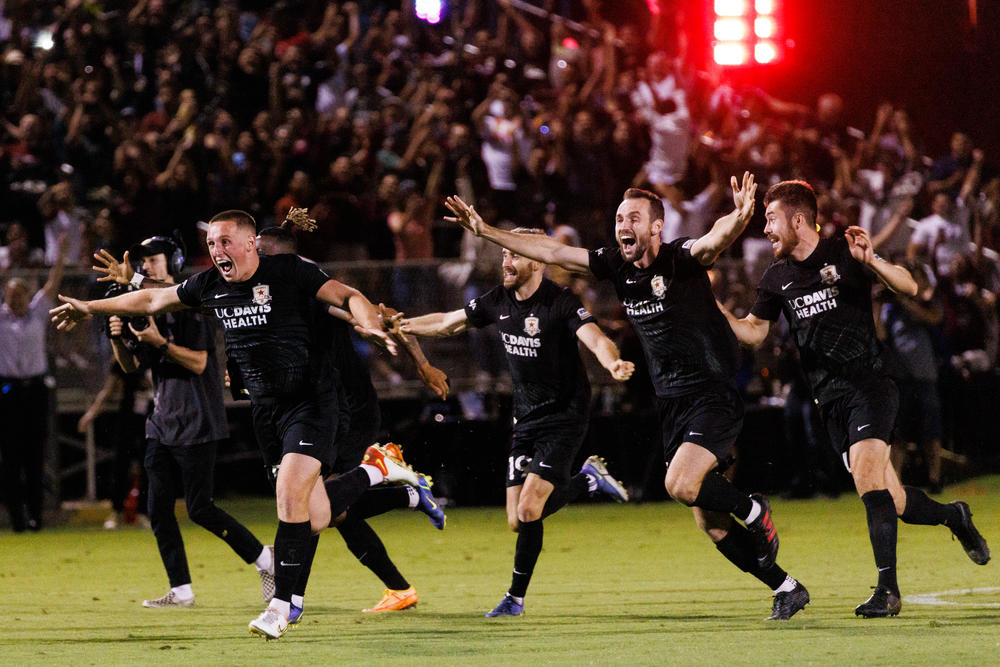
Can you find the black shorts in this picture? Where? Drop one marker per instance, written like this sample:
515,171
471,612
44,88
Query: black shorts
547,447
711,418
357,430
300,425
867,412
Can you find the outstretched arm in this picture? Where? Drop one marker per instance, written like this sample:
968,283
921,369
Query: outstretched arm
436,324
893,276
533,246
750,330
144,302
727,228
337,294
606,351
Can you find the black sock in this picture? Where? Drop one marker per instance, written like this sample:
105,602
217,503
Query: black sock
529,545
718,494
370,552
345,490
378,500
923,510
578,485
291,542
882,531
307,563
738,546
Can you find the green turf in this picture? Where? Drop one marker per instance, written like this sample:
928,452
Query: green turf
634,584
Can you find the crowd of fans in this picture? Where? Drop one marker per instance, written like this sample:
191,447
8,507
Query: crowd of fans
127,119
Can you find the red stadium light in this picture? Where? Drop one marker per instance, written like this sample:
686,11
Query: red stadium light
730,7
730,30
731,53
764,27
765,52
735,43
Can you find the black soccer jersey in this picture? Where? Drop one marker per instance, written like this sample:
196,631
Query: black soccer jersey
355,376
687,341
267,323
539,337
826,299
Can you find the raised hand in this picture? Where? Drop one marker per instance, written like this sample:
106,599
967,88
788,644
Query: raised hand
622,370
119,272
465,215
380,338
860,244
70,313
743,195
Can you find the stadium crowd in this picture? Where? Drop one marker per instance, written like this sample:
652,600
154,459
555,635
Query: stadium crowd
123,120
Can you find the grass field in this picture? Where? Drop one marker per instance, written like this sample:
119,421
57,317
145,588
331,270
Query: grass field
635,584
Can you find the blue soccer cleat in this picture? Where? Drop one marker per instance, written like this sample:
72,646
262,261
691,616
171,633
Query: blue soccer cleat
507,607
427,504
606,484
294,614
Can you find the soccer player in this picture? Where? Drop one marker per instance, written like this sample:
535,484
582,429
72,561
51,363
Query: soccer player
691,352
265,306
184,429
539,324
358,428
823,287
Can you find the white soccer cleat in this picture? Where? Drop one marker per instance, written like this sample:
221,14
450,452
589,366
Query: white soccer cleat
269,625
389,460
169,600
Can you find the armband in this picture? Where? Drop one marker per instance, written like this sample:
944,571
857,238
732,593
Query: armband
136,280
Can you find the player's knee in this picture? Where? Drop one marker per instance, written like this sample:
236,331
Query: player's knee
681,490
337,520
200,514
526,513
513,524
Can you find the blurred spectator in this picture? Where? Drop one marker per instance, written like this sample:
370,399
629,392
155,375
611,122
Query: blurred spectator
24,395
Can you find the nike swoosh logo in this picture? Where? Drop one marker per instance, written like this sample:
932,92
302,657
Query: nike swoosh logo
787,285
629,281
695,433
305,444
883,569
219,296
284,564
503,317
543,465
865,426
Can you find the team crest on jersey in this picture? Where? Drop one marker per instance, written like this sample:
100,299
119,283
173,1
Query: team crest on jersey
829,274
472,305
659,287
531,326
582,313
262,294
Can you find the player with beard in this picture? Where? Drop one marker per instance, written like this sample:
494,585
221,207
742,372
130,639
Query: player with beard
691,352
265,305
823,287
539,323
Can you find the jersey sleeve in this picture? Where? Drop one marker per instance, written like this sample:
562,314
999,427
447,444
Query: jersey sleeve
603,262
683,259
768,303
571,310
191,292
306,275
482,311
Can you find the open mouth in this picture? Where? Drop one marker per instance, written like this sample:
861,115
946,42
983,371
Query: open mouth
225,266
627,242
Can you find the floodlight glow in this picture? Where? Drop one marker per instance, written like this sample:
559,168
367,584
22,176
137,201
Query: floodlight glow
730,7
731,53
764,27
429,10
764,6
730,30
765,52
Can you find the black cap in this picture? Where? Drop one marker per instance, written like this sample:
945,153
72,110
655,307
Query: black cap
153,246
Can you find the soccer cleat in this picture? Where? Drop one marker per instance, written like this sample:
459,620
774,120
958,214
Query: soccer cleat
393,467
169,600
788,603
427,504
396,600
606,484
267,579
507,607
295,615
269,625
882,603
966,532
764,533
